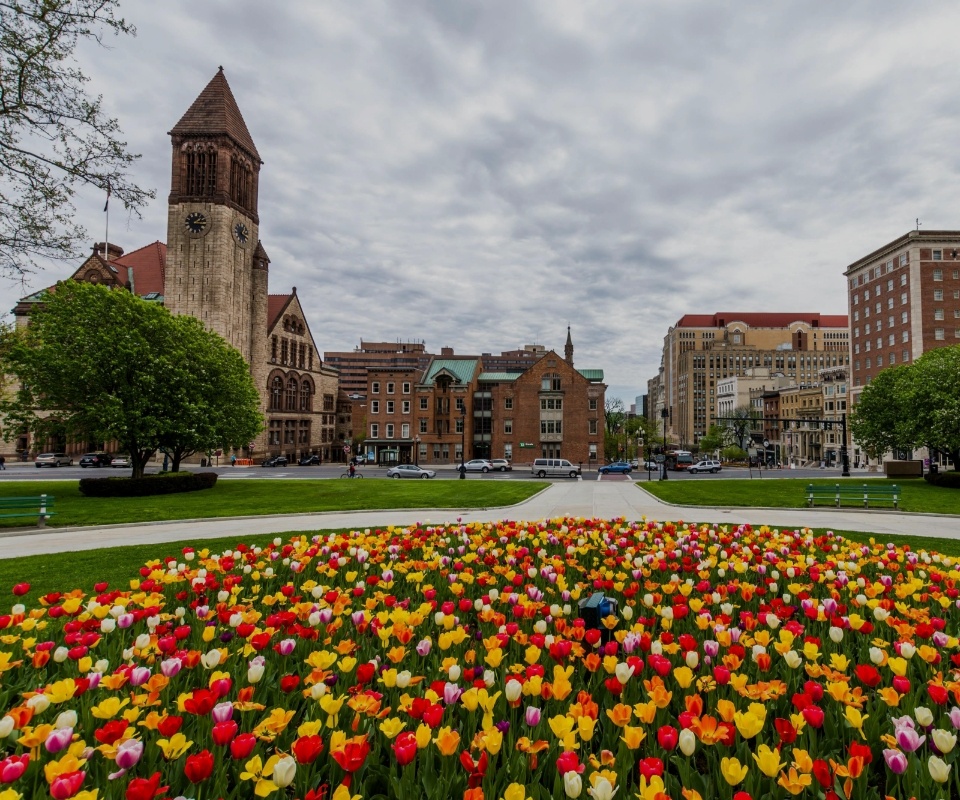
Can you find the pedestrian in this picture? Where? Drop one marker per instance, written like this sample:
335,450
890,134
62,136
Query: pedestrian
3,462
233,460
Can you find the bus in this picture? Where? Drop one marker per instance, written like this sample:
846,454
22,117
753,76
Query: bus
678,459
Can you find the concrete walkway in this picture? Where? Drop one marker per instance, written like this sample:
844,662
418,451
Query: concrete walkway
603,499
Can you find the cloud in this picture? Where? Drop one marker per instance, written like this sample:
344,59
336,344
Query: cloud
479,175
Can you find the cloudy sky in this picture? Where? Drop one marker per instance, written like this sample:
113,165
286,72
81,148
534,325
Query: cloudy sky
480,175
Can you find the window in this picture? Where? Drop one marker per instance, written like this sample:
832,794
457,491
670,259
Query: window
423,425
891,340
405,430
956,313
938,334
956,274
592,426
391,386
903,259
890,266
867,364
374,406
304,396
866,346
459,425
592,454
903,298
390,406
890,321
592,404
406,387
856,299
508,426
508,403
866,329
292,388
938,294
424,403
879,307
893,359
866,295
374,431
375,387
889,302
905,336
938,255
405,406
508,452
390,430
905,356
856,332
550,383
903,279
551,404
956,294
938,313
459,404
856,316
890,285
879,361
856,349
551,426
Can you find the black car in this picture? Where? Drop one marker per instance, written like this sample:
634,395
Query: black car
95,460
310,461
276,461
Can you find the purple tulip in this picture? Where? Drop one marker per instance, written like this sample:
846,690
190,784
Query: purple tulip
954,716
139,676
711,648
451,693
222,712
896,761
423,647
357,617
59,739
532,716
125,620
909,739
169,667
503,726
128,753
326,614
286,646
94,678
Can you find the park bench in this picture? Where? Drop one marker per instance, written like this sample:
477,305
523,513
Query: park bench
863,493
38,507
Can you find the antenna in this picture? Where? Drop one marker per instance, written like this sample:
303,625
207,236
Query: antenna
918,224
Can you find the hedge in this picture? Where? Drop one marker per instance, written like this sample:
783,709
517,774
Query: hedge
948,480
165,483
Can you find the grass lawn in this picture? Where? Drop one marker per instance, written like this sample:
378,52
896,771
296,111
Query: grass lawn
63,572
236,498
916,494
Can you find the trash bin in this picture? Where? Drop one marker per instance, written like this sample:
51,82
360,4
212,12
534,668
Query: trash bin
203,462
934,469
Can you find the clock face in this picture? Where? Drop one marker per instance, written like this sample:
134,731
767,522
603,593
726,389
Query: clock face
195,223
241,233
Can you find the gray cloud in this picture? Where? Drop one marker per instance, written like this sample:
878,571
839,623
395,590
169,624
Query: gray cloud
481,174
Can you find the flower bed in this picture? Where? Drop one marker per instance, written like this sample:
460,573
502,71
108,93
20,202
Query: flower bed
455,662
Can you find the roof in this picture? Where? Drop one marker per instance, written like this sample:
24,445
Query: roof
948,238
595,375
215,111
762,319
498,377
461,368
148,265
276,303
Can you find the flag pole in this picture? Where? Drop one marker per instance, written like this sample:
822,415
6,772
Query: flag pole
106,235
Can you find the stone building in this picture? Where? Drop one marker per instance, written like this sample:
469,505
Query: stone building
214,267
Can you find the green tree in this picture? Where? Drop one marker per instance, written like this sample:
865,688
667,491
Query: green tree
931,399
217,401
740,423
106,365
883,418
717,438
54,137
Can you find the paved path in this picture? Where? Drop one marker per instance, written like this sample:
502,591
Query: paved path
605,499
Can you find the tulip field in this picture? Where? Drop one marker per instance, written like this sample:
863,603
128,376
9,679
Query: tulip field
455,661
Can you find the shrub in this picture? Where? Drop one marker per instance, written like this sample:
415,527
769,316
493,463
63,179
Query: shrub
166,483
946,480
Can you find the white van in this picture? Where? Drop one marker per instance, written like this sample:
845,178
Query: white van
546,467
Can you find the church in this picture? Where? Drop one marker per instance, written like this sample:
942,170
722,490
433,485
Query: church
215,267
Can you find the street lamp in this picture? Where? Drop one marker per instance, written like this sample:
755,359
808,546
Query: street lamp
463,440
416,452
663,470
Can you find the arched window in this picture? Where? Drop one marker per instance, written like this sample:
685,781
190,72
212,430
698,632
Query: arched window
292,394
306,393
276,394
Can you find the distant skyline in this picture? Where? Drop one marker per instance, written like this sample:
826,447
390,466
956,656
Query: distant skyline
479,175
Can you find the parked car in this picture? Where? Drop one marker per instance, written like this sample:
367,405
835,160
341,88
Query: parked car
310,461
53,460
707,465
276,461
410,471
635,464
120,461
559,467
501,465
95,460
652,466
478,465
616,467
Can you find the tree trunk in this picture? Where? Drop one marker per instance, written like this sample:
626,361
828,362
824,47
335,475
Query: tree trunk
176,457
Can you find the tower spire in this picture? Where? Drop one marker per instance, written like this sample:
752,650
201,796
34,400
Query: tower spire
568,349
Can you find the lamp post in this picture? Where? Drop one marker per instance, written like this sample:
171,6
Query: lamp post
663,470
463,440
416,452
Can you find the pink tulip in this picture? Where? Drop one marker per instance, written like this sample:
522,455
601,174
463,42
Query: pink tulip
532,716
59,739
222,712
896,761
139,676
286,646
909,739
128,753
170,667
423,648
12,767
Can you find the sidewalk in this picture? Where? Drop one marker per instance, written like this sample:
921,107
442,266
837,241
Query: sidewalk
588,498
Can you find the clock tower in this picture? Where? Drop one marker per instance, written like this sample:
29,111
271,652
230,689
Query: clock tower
215,269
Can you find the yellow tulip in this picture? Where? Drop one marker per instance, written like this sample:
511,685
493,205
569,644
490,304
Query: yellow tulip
768,760
733,772
515,791
561,725
424,734
585,727
447,741
748,724
492,740
174,747
683,676
795,782
633,736
391,727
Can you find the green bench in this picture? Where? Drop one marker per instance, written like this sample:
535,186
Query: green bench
39,507
863,493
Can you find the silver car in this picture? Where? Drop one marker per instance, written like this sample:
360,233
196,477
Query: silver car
410,471
501,465
53,460
478,465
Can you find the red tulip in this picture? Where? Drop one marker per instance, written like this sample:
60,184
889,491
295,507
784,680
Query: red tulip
242,746
651,766
667,737
938,693
20,589
289,683
476,770
366,672
813,715
823,773
569,762
111,732
224,732
901,684
169,725
199,766
785,729
200,703
433,715
405,748
352,756
307,749
145,788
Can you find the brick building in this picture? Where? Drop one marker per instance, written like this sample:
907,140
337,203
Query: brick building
456,406
704,348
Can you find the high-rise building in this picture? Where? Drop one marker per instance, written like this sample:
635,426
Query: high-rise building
702,349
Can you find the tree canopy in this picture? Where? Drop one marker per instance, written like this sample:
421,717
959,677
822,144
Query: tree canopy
54,137
911,406
100,364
